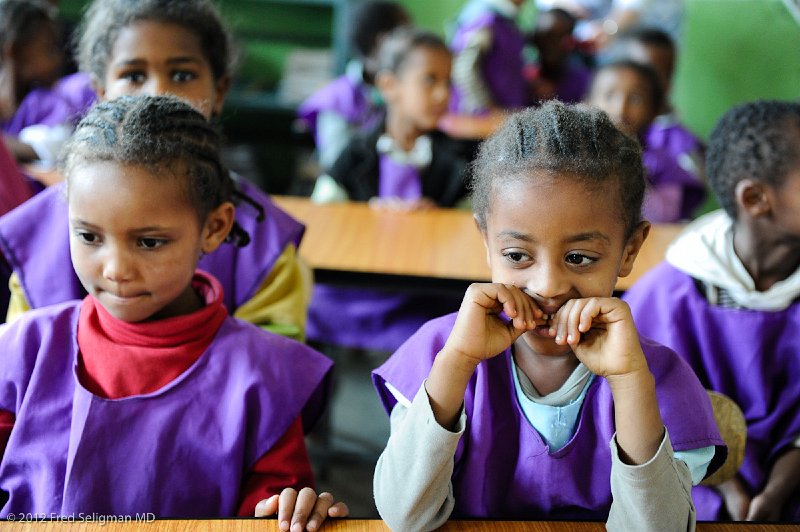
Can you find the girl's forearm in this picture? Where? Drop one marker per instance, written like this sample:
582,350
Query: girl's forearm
640,428
447,384
784,477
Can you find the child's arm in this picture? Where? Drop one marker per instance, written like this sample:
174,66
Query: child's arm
650,487
468,76
412,483
784,478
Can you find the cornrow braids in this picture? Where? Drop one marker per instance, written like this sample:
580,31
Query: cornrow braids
105,19
20,18
576,142
399,44
756,140
166,136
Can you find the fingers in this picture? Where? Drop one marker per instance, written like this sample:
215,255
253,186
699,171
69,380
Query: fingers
339,509
267,507
286,506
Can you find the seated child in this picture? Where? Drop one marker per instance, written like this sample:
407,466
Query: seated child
656,48
404,163
181,48
726,299
37,110
488,64
631,94
559,73
351,103
146,396
539,399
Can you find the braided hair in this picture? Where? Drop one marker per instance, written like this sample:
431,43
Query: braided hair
162,134
105,19
756,140
575,142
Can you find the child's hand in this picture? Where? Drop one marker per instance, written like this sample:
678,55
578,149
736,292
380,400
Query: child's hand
601,333
306,510
737,501
480,332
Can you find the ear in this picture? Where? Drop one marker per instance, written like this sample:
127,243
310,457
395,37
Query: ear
752,197
217,226
222,86
632,248
99,88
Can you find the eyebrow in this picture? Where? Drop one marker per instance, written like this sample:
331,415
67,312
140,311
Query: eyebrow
137,230
580,237
170,61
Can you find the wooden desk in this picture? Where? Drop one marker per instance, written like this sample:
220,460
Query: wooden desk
438,246
354,525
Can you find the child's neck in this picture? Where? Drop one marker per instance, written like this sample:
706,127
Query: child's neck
767,258
402,131
547,373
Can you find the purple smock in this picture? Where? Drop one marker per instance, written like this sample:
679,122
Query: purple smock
181,451
503,467
751,356
64,103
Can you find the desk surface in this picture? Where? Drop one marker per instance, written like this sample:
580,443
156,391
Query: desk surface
438,244
354,525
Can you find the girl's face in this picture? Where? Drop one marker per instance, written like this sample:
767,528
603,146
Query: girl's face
135,239
420,91
557,240
40,60
157,58
626,97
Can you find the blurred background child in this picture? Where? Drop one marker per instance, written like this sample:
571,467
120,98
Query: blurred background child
506,410
559,72
655,47
181,48
404,163
38,108
351,103
726,299
151,348
632,95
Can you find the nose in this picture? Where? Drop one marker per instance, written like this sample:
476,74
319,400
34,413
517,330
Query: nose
155,86
548,285
118,266
442,93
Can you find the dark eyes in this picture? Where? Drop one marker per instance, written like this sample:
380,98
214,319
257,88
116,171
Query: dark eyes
151,243
578,259
88,238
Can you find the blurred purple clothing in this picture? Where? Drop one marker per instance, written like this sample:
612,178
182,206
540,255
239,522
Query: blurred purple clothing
672,193
502,66
14,188
63,103
751,356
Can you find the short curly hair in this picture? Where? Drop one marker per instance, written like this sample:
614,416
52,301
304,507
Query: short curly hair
756,140
105,19
573,141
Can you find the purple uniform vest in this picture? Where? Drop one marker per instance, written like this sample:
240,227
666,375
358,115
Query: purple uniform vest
662,168
672,138
63,103
751,356
34,238
345,97
181,451
502,65
398,180
503,468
